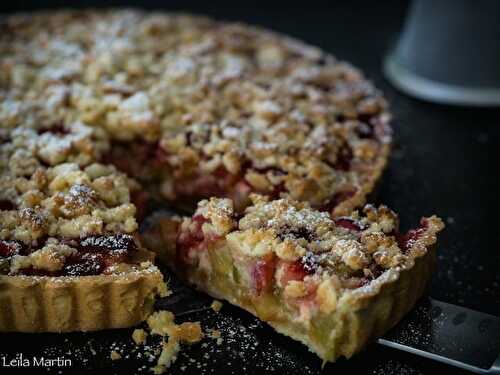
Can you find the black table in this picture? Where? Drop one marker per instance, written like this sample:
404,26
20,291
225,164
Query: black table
444,162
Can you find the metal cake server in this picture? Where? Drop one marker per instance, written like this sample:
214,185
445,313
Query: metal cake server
450,334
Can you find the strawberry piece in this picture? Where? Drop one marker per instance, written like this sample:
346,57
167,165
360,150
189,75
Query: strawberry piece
9,248
187,240
405,241
292,271
348,223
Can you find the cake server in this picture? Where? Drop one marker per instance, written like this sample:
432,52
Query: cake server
450,334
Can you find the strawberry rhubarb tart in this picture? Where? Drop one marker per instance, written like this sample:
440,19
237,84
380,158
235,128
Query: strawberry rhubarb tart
102,111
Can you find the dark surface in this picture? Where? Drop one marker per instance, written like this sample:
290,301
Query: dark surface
444,162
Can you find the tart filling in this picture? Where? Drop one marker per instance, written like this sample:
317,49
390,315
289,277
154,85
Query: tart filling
308,275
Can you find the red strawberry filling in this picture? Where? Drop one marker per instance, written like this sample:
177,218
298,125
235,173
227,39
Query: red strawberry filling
337,198
6,205
344,159
140,199
94,255
349,224
10,248
139,159
293,271
407,240
188,241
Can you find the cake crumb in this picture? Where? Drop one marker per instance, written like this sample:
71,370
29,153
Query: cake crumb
216,335
216,305
139,336
161,323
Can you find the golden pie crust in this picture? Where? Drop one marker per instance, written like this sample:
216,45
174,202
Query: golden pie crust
85,303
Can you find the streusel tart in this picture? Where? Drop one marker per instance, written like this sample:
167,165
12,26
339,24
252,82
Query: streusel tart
331,283
102,110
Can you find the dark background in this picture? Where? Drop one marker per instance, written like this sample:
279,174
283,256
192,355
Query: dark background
444,162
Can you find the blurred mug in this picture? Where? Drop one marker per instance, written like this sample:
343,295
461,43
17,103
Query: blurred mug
449,52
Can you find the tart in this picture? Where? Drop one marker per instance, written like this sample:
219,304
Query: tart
332,283
195,108
103,110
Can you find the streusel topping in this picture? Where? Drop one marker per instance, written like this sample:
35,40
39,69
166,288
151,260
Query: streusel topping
351,250
209,97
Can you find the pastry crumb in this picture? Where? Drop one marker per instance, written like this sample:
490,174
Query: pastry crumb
167,357
115,355
165,291
189,332
216,305
139,336
216,335
162,323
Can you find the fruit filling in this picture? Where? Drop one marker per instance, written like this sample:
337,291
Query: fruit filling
287,252
92,255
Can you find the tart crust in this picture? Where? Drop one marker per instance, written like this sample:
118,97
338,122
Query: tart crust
85,303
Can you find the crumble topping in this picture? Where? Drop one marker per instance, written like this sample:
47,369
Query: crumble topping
204,97
307,252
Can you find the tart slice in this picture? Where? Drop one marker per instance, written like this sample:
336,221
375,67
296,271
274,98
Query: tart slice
333,284
69,259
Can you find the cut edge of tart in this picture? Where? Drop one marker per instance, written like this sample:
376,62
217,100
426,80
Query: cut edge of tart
332,283
84,303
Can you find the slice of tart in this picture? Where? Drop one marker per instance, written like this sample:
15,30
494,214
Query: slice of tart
333,284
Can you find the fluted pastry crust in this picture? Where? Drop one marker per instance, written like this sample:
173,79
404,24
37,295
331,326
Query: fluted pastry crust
85,303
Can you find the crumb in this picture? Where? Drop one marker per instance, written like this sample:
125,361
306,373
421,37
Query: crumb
167,357
115,355
216,305
139,336
165,291
161,323
216,335
189,332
